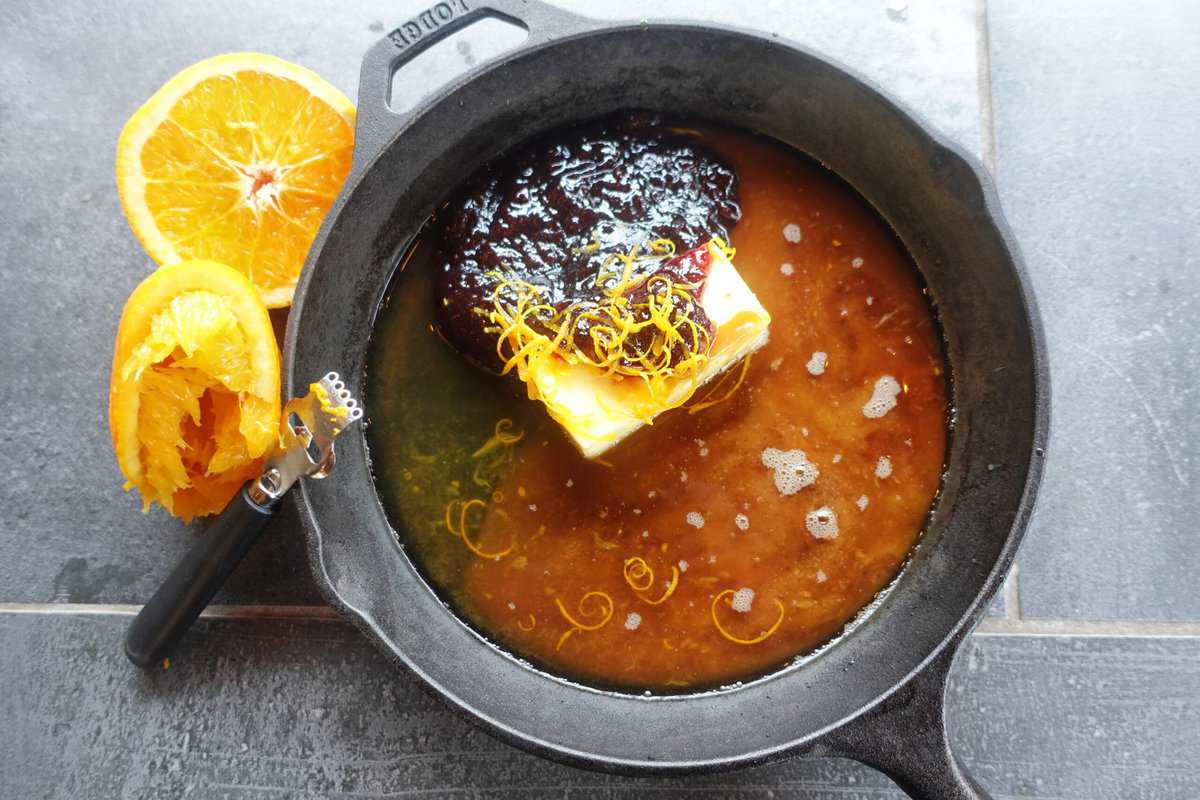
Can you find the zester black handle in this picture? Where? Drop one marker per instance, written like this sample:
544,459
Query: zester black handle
161,623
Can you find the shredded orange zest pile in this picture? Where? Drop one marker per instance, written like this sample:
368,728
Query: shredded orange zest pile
761,638
651,337
605,608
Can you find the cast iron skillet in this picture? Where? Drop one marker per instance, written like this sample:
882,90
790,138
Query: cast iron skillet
876,695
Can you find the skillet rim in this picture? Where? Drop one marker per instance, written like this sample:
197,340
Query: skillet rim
1040,399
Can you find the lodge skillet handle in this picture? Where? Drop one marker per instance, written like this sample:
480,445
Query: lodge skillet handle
377,123
191,585
905,738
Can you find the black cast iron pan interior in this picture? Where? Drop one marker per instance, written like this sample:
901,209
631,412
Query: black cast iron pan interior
876,694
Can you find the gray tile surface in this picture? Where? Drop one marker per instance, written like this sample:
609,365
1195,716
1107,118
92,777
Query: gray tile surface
260,708
70,75
1095,110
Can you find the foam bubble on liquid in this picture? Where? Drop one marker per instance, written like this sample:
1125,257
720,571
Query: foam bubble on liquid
633,621
861,502
816,363
837,458
821,576
703,448
883,398
870,300
822,523
776,364
883,467
742,522
570,483
695,519
856,262
683,565
786,268
791,469
792,233
742,600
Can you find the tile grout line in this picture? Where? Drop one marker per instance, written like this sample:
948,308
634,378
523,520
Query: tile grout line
212,612
1011,592
1083,628
989,626
983,44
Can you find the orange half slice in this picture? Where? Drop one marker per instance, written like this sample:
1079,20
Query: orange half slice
236,159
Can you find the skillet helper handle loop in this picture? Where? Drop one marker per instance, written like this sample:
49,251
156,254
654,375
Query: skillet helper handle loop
161,623
377,123
905,737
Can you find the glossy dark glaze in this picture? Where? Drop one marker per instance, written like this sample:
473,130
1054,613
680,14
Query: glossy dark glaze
620,182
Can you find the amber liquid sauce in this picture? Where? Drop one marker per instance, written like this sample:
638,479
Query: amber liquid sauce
572,524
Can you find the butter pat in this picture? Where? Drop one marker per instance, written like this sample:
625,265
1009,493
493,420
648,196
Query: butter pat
599,410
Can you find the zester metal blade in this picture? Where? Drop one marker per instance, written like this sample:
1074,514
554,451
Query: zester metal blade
308,429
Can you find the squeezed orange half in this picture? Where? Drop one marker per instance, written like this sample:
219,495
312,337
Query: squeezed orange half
194,396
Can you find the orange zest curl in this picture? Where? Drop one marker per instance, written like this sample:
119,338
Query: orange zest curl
640,577
605,608
638,574
603,544
451,516
532,624
708,402
493,457
460,529
670,589
502,436
761,638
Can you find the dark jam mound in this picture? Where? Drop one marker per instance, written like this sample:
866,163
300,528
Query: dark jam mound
532,213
